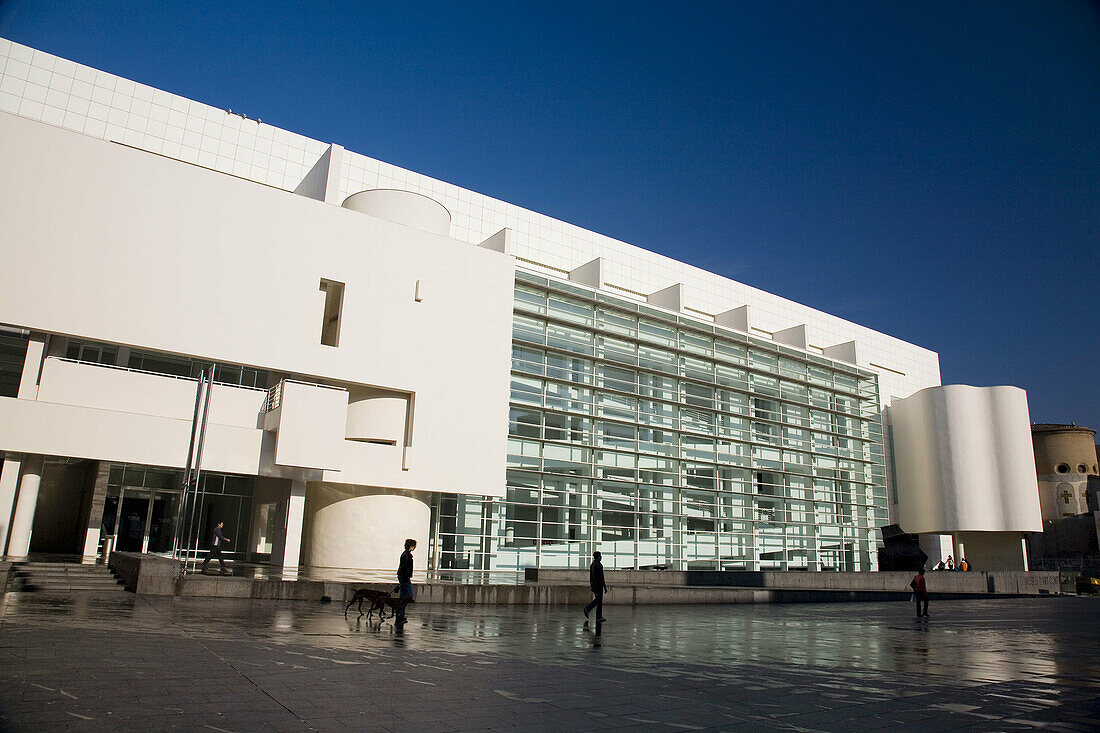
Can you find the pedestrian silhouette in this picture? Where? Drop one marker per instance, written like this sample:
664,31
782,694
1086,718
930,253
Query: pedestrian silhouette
217,540
920,592
404,579
596,582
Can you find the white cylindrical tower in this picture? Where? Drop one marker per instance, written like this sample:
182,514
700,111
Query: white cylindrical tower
364,528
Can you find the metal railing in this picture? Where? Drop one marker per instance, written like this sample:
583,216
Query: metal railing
152,373
275,393
274,398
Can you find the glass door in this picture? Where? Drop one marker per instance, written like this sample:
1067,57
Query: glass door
162,522
133,520
142,520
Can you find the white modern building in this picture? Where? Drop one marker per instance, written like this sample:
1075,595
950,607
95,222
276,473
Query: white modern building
394,356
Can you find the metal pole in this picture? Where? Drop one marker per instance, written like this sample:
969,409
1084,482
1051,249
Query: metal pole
190,473
187,470
208,383
198,458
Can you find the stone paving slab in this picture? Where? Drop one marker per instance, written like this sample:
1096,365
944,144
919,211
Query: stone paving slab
82,663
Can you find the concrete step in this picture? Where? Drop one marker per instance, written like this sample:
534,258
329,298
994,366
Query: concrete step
53,574
37,574
68,581
55,567
63,573
47,577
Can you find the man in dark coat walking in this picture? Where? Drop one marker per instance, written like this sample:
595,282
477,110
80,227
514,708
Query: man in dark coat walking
216,541
596,582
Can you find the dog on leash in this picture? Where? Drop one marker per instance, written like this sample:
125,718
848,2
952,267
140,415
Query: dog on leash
379,599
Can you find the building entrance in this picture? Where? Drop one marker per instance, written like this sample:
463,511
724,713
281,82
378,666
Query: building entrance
141,520
142,507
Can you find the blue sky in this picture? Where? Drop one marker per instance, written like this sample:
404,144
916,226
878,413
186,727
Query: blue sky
930,170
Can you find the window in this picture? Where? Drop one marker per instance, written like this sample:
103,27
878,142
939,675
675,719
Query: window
616,322
524,423
91,352
623,380
658,333
334,302
567,309
696,343
568,368
13,352
529,299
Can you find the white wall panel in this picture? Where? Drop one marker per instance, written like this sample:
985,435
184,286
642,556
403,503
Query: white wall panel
174,258
310,432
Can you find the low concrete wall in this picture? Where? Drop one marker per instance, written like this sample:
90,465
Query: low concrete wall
567,595
273,590
1010,582
146,574
152,575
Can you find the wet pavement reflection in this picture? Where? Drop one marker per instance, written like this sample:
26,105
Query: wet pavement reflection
995,640
1023,663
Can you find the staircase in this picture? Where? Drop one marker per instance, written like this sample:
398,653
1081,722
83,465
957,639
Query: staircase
57,577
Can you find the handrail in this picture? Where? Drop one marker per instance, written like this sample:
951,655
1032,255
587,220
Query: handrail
274,398
275,392
314,384
156,374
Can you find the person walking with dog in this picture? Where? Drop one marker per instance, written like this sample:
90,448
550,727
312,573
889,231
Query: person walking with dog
598,585
404,579
217,540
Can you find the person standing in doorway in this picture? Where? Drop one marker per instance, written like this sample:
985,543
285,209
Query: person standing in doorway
920,593
596,582
216,542
404,578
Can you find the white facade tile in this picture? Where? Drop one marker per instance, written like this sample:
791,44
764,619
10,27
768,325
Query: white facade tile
30,109
39,75
9,102
53,115
64,66
61,83
17,69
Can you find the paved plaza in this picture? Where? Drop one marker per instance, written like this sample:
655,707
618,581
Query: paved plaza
123,662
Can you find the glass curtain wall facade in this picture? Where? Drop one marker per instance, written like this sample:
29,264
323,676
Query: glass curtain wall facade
666,442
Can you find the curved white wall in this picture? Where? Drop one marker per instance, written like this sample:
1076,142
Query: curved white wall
377,417
365,532
402,207
964,461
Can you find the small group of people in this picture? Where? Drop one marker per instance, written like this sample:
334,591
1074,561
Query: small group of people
920,588
949,564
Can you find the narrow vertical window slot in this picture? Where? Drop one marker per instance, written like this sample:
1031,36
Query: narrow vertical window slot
334,304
